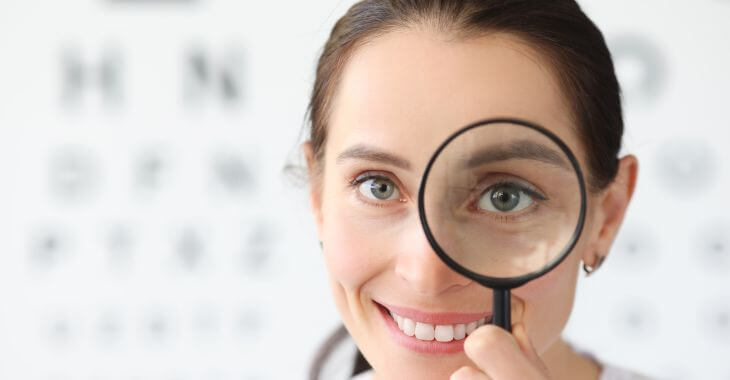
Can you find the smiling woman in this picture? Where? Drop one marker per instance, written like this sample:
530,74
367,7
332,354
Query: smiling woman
395,79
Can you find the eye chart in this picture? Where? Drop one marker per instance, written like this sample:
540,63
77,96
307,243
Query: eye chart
150,230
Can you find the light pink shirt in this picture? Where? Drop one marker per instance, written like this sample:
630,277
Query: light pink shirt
339,366
609,373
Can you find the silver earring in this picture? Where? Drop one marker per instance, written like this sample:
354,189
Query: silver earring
589,269
321,246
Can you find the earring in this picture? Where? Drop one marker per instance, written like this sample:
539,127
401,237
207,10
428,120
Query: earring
589,269
321,246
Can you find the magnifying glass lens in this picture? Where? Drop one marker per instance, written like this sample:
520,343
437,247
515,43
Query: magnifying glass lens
503,200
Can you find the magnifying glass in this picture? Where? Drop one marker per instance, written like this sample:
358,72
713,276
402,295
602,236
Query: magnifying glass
502,202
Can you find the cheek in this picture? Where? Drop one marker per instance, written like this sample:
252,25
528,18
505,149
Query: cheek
548,302
351,246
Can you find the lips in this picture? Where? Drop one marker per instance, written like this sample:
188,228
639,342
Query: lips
441,318
431,333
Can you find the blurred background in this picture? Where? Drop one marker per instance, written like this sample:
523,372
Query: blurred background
149,231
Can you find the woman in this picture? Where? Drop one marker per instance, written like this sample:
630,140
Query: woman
397,77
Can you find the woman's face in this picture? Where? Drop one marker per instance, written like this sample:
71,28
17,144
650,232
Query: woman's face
399,97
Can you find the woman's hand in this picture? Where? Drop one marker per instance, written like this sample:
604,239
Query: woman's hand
499,355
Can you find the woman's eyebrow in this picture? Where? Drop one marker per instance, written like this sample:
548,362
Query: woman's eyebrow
371,153
521,149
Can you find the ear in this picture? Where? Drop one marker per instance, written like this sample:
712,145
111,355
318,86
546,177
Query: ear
315,186
612,204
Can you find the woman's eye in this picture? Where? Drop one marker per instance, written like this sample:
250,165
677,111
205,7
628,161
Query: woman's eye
505,198
379,189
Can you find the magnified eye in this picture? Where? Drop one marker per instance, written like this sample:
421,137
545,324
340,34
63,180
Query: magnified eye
379,189
505,198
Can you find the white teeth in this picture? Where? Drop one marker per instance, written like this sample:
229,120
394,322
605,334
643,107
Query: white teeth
441,333
470,327
409,327
444,333
459,331
424,331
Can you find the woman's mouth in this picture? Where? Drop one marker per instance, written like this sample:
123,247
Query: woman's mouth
431,332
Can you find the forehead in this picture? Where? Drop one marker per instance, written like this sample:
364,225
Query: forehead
407,90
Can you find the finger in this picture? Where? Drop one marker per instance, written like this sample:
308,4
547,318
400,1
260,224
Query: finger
525,344
497,353
469,373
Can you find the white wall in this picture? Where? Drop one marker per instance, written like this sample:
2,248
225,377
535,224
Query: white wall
148,232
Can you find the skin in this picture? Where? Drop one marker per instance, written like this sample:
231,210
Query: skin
404,92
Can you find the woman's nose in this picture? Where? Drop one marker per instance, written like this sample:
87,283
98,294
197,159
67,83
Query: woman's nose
418,265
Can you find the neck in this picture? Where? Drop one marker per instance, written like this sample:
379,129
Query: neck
564,363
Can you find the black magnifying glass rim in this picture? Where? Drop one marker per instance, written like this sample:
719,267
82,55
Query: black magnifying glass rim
503,282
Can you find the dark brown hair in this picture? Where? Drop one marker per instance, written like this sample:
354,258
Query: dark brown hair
557,29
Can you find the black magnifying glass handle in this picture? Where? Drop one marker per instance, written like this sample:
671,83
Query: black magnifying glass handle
501,310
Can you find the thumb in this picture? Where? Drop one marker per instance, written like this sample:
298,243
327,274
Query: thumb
523,340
